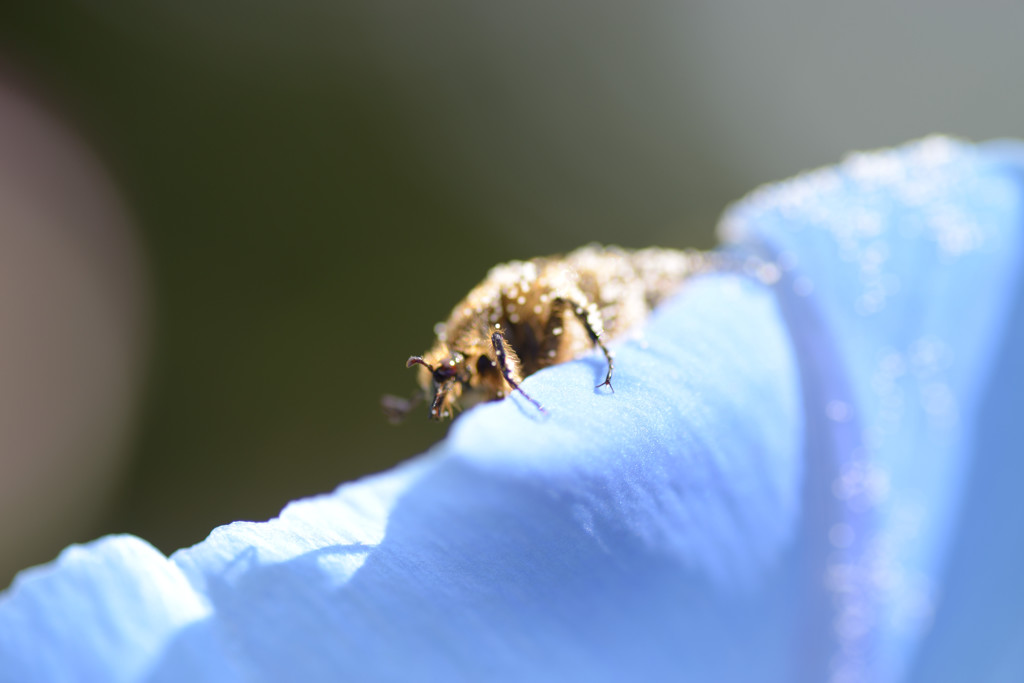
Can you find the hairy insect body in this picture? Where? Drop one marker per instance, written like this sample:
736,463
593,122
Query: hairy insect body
528,315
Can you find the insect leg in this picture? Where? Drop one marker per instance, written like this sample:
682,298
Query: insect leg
437,410
501,354
591,320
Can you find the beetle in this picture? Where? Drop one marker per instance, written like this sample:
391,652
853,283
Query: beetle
529,315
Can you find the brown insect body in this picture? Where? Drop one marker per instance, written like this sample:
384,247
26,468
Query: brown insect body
528,315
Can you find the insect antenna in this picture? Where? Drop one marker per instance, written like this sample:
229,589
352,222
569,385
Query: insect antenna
418,360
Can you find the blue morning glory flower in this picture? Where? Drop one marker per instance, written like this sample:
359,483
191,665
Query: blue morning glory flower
812,480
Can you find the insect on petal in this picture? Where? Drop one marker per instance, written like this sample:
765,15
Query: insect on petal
597,539
769,494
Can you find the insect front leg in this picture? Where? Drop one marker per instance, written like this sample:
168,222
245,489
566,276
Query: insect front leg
590,317
502,351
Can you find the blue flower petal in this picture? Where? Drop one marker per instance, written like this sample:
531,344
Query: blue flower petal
768,495
979,629
620,533
101,612
587,544
907,263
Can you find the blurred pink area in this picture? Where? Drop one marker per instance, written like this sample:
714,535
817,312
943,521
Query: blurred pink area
72,333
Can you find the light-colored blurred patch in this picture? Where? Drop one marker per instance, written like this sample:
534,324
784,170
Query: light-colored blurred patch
72,310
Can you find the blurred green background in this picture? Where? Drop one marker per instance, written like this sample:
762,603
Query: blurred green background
315,184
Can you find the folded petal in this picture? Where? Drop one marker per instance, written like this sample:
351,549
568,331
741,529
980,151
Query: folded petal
902,271
978,632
